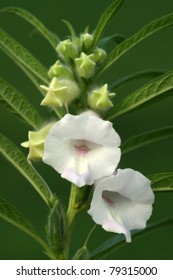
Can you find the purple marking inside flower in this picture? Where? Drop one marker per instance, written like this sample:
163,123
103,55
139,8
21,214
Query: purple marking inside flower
82,150
107,199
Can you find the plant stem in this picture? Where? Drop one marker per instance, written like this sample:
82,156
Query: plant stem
72,212
48,251
44,245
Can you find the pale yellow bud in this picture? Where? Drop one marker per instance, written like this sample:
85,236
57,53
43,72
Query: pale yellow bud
59,70
67,49
35,142
85,66
98,99
60,92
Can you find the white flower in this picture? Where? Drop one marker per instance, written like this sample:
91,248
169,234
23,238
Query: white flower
122,202
82,148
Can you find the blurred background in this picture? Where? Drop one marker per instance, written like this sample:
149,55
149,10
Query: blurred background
156,52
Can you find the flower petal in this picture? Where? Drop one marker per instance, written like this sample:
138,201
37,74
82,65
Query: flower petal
89,127
82,148
98,157
77,171
125,201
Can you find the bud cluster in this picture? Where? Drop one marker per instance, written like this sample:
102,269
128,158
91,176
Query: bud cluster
77,64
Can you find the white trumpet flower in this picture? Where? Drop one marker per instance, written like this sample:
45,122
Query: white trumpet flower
122,202
82,148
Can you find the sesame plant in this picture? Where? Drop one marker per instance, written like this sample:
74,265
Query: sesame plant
79,140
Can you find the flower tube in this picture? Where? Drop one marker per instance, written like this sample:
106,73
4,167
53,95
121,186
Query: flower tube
122,202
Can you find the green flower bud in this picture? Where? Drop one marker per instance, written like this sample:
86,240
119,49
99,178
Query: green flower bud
60,92
60,71
85,65
35,142
98,55
98,99
86,41
66,49
81,254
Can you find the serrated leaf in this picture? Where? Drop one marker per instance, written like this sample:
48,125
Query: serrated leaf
146,138
23,56
49,36
162,182
151,92
134,76
19,105
143,33
11,215
12,153
118,241
105,19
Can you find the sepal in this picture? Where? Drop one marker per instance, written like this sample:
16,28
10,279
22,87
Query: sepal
98,55
99,99
81,254
67,49
60,92
35,142
59,70
85,65
86,41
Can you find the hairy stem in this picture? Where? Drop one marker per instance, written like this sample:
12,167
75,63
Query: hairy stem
72,212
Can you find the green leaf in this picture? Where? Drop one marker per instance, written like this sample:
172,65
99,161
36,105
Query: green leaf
118,241
143,33
49,36
134,76
162,182
146,138
105,19
37,82
15,50
117,38
34,79
19,105
14,217
12,153
70,28
28,64
151,92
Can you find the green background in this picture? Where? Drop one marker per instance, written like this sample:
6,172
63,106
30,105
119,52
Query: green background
156,52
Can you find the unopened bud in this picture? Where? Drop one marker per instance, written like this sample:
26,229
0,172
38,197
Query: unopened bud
98,55
67,49
60,92
86,41
82,254
59,70
35,142
98,99
85,66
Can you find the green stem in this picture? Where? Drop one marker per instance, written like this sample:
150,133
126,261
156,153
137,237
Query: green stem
45,246
72,212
